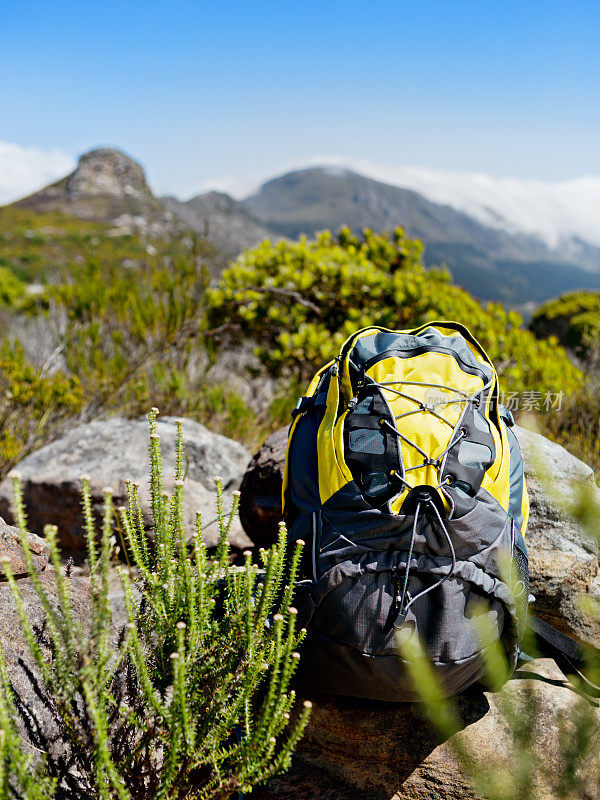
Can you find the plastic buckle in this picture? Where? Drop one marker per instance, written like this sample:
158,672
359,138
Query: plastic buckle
303,404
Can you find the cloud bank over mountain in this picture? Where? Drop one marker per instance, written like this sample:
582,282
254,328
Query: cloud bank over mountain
553,211
25,169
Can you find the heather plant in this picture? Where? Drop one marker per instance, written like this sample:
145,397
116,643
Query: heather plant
191,697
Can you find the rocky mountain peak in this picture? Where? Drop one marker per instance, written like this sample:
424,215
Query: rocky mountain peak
106,171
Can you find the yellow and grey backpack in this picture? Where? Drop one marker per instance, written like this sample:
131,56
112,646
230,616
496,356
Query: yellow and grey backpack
405,481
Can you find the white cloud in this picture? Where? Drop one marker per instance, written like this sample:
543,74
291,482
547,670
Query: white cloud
553,211
25,169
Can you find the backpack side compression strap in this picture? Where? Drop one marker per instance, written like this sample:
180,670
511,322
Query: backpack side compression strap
571,657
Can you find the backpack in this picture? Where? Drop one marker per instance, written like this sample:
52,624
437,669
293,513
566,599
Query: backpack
405,481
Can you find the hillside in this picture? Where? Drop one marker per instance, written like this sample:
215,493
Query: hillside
106,186
489,262
225,222
109,189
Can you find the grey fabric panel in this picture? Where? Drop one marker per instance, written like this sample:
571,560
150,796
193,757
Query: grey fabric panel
329,667
362,440
459,345
474,455
378,343
359,613
516,486
481,422
476,535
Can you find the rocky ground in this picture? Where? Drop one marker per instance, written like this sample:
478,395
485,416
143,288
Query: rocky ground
352,749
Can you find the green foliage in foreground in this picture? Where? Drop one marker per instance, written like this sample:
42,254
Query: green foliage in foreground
574,319
300,300
192,699
524,767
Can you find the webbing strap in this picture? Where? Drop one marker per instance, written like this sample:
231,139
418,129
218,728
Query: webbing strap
571,657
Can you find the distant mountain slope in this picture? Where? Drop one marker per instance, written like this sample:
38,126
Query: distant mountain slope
106,186
221,219
489,262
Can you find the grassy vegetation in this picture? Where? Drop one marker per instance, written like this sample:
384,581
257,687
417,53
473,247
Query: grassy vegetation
193,699
134,323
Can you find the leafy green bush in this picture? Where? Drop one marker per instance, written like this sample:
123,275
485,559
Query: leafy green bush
574,319
12,290
300,300
33,405
193,699
121,324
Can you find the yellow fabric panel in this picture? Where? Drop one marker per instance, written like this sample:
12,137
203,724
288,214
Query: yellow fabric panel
427,431
333,474
497,479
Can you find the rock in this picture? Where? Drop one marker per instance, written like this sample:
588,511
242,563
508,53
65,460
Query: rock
563,560
107,186
14,646
361,750
225,221
11,550
260,503
112,451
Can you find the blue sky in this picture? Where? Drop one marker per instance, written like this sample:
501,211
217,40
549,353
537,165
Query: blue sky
201,92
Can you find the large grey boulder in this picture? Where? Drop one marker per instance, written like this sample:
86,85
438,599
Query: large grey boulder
563,559
361,750
112,451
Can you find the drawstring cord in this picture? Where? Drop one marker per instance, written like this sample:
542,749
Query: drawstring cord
436,462
408,558
402,611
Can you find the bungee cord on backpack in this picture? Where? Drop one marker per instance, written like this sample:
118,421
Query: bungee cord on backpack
428,461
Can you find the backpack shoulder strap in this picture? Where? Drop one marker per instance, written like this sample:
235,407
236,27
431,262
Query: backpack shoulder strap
572,657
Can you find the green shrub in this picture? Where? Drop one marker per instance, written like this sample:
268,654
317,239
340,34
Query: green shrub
574,319
12,290
193,700
121,324
33,406
298,301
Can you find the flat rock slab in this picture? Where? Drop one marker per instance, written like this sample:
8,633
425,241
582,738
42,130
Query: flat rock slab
361,750
112,451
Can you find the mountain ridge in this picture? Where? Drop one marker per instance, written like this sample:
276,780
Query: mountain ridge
488,261
109,186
